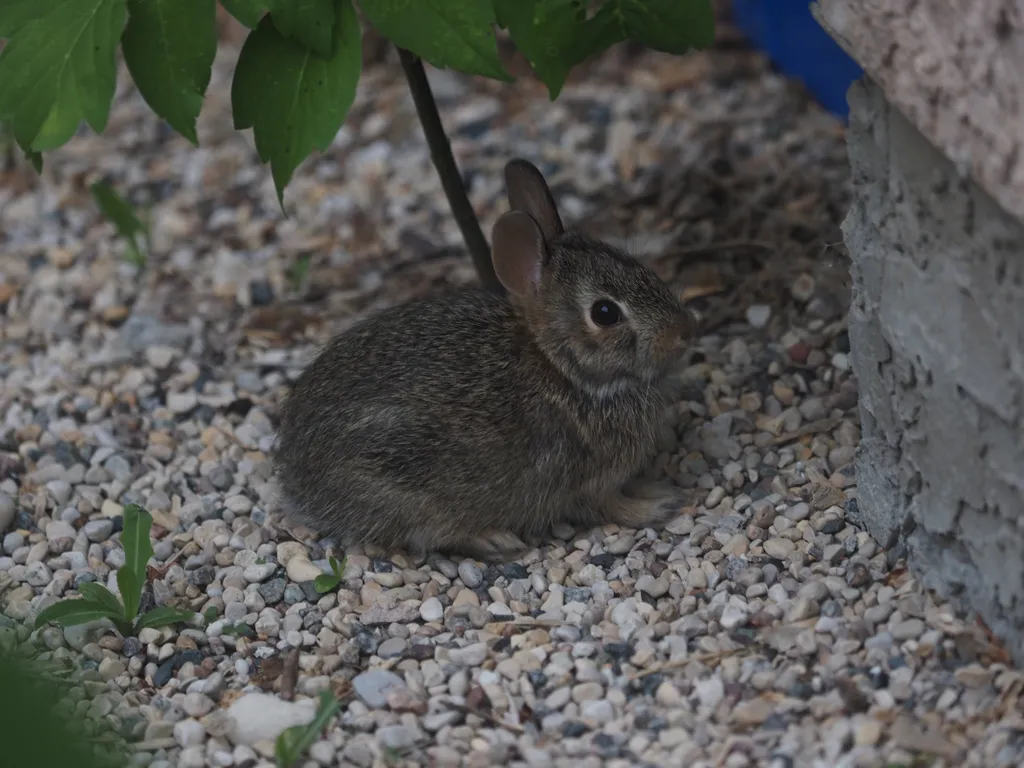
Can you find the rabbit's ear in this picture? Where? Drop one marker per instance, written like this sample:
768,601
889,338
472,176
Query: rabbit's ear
518,251
529,193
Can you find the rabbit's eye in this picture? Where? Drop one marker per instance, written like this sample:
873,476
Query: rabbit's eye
605,313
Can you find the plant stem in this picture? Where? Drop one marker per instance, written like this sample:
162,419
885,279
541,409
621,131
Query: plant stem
451,178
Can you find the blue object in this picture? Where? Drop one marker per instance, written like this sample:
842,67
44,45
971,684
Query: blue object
789,35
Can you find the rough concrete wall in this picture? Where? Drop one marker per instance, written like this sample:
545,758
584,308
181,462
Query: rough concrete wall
937,336
955,68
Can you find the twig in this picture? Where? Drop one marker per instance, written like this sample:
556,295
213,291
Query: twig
485,716
813,428
289,675
444,162
680,663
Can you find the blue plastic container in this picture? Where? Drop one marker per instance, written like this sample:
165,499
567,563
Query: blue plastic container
789,35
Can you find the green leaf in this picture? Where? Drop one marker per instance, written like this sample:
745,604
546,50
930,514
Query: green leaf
299,270
292,743
325,582
248,12
457,34
169,47
62,122
672,26
36,158
123,217
130,587
15,14
293,99
600,32
546,33
97,593
310,22
59,68
70,613
138,549
161,616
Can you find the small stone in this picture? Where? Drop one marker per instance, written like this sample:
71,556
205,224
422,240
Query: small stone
431,609
470,656
752,712
99,530
779,548
470,574
654,587
300,569
974,676
733,617
374,686
802,289
587,692
196,705
189,733
111,668
598,712
392,648
181,402
910,629
710,692
160,356
111,509
868,733
263,716
396,737
799,512
60,533
59,490
758,315
37,574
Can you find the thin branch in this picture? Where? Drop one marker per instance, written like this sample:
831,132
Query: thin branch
451,178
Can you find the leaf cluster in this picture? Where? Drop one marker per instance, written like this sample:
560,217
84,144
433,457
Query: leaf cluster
329,581
297,73
37,726
293,742
97,602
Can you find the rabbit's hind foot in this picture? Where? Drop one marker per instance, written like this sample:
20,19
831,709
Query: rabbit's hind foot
644,505
491,546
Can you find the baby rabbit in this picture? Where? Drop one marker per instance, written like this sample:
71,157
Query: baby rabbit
469,422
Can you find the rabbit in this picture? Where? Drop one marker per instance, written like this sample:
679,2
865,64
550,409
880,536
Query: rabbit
470,422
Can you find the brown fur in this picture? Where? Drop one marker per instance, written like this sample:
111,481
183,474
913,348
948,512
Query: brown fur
471,421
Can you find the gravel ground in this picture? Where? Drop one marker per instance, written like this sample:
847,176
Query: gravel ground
759,628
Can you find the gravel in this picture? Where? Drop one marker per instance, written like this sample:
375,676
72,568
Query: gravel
759,628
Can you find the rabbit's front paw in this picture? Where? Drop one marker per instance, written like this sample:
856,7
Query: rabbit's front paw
493,545
647,505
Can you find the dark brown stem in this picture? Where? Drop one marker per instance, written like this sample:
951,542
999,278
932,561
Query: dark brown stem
451,178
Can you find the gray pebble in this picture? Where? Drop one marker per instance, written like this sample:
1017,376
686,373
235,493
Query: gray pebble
99,530
470,574
373,687
60,490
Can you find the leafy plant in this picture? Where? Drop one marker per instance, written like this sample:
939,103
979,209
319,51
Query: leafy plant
98,602
33,728
129,226
293,742
299,272
329,581
297,72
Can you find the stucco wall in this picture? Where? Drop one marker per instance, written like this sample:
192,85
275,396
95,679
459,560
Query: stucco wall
955,69
937,337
